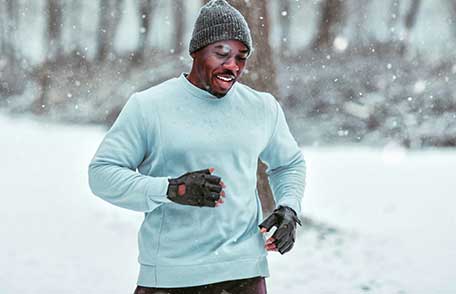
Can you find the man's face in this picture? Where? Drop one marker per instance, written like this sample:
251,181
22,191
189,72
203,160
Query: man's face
217,66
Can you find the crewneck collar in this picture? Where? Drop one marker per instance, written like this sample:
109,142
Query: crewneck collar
200,93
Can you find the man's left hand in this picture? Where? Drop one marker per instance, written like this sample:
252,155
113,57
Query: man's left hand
285,219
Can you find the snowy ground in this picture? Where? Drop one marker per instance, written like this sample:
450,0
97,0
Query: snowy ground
384,220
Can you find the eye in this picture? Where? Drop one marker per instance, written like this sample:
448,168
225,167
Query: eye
242,58
221,54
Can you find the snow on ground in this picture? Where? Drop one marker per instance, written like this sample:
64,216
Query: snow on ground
383,220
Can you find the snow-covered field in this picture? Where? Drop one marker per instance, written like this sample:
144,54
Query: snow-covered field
384,220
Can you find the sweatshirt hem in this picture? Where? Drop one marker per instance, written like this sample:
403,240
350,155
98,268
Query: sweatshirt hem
164,276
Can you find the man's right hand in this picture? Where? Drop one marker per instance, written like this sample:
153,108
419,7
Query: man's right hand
197,188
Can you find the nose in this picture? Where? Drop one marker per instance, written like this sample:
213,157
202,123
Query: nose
231,64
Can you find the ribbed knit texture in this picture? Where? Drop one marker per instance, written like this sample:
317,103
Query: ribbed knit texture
218,21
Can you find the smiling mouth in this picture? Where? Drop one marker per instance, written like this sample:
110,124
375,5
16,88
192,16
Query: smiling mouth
225,78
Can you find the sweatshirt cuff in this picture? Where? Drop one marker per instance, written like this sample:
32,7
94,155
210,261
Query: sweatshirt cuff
291,202
157,187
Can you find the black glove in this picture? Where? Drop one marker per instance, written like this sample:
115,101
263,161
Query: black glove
198,188
285,219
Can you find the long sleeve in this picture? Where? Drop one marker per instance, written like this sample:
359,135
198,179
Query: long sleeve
112,171
286,165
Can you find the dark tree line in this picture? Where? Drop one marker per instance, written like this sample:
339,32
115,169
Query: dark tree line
333,17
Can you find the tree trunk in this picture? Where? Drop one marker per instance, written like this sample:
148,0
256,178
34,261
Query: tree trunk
394,12
452,7
110,12
261,74
76,25
285,24
146,10
11,27
9,83
409,24
332,15
361,37
54,30
3,24
179,22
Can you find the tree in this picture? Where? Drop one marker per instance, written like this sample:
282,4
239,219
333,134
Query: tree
409,24
361,37
394,11
75,22
110,13
54,29
331,20
179,22
3,30
9,52
10,23
261,74
452,9
146,9
285,24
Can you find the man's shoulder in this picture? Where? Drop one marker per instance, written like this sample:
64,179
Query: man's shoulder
260,96
158,92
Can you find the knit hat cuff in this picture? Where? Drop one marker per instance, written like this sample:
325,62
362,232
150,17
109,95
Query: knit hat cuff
220,32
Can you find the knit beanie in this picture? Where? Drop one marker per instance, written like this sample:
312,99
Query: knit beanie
218,21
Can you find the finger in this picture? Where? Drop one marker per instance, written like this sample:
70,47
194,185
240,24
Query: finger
211,170
213,179
270,241
209,202
213,188
223,194
269,222
222,184
219,202
280,233
214,196
263,230
271,247
282,242
286,248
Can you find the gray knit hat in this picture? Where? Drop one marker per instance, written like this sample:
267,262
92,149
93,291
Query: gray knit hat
218,21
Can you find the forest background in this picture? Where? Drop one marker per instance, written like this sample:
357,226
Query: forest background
346,71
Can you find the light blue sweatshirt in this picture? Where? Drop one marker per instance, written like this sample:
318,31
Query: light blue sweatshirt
174,128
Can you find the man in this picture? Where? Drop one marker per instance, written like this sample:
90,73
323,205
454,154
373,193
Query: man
195,141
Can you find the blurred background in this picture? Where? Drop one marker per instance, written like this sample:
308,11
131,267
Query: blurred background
368,88
346,71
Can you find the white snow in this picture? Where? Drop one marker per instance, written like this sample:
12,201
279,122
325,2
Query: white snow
385,220
340,43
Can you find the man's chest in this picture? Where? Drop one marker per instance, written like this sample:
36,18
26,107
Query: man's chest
201,133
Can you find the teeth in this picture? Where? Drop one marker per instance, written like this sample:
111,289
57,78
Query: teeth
225,79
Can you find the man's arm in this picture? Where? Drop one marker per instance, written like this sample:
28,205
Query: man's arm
286,165
112,171
286,171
